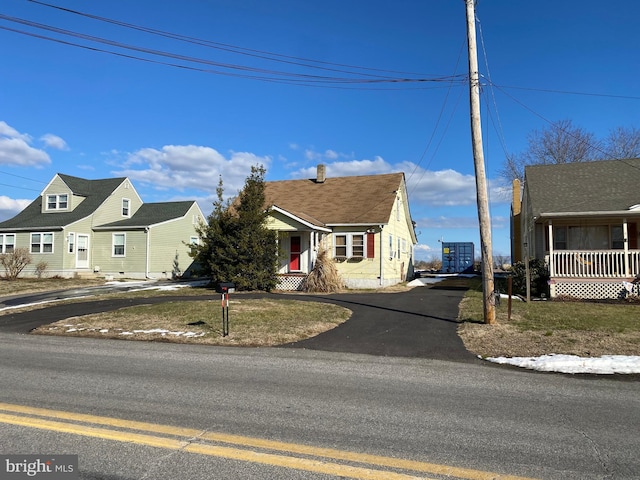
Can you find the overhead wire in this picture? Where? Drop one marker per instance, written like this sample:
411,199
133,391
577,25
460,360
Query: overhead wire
225,46
247,71
435,128
555,125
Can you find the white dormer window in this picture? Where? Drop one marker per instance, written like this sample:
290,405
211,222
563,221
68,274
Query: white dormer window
57,202
125,207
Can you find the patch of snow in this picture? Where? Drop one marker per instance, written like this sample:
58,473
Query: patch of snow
421,282
164,332
605,365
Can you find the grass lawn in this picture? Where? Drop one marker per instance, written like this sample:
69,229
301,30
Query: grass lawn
23,286
545,327
264,322
252,323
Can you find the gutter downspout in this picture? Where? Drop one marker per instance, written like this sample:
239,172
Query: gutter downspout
146,267
381,258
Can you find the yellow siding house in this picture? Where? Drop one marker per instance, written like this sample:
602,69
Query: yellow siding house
363,222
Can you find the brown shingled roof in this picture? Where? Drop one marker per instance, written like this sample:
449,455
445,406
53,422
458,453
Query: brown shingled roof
366,199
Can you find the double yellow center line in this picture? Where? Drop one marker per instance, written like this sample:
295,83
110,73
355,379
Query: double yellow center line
236,447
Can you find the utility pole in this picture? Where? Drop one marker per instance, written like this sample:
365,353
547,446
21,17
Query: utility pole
488,299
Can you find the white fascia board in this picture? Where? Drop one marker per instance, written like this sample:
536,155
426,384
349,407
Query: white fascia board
50,182
275,208
357,224
612,213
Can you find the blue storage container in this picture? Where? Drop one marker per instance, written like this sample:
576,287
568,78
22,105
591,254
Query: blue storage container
457,257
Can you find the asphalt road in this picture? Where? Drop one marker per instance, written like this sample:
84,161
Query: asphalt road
440,414
389,394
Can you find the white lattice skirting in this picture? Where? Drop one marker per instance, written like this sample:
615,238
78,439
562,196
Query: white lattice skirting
290,282
592,290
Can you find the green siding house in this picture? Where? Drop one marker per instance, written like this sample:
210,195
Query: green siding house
363,222
102,227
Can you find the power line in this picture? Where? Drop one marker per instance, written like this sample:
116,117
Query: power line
567,92
261,73
225,46
555,125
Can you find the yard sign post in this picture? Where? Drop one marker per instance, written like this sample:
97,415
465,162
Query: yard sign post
225,289
225,312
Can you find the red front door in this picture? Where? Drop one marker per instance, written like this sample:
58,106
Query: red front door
294,254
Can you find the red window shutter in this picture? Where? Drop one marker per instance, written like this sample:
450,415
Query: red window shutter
371,245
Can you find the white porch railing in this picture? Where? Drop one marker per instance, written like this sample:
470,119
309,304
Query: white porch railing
595,263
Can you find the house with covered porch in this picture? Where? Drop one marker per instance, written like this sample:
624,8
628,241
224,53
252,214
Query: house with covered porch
362,222
583,220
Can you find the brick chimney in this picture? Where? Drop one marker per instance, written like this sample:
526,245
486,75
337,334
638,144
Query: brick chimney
321,176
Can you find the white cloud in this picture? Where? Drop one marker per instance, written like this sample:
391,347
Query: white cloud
10,207
312,156
448,222
350,168
190,167
15,149
54,141
423,248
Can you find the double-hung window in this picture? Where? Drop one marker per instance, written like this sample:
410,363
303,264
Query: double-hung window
57,202
118,244
7,242
349,245
617,237
42,242
71,238
125,207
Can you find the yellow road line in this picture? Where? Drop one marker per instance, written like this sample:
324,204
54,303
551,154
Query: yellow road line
316,466
238,440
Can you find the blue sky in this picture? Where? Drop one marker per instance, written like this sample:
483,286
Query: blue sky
292,84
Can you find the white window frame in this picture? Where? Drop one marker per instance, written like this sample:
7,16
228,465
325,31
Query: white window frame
71,242
41,243
54,201
114,245
391,251
126,207
349,245
4,244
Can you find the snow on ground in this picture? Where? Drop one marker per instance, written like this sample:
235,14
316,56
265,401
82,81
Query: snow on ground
605,365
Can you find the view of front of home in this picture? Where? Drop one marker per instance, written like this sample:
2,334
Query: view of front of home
86,227
362,222
583,220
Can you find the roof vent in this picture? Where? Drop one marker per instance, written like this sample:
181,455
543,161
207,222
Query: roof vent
321,176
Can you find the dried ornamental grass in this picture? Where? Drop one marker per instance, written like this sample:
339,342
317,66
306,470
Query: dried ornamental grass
324,277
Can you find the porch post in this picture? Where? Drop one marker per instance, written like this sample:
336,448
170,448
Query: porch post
625,236
551,260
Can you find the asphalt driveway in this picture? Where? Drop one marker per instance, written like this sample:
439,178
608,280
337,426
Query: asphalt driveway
420,322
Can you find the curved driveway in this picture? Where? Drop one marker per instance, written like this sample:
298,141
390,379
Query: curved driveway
420,322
